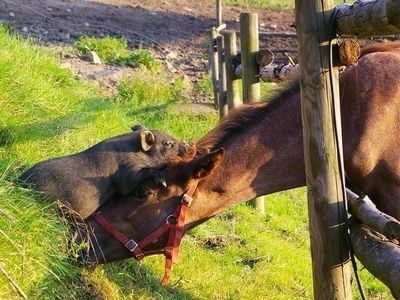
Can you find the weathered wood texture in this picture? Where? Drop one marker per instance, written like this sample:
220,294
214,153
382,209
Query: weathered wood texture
232,82
331,270
213,62
378,255
249,46
278,34
219,12
222,104
365,211
250,70
264,57
274,73
370,17
279,73
283,50
349,52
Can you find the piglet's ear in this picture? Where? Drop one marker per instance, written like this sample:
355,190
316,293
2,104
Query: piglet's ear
203,166
137,127
146,139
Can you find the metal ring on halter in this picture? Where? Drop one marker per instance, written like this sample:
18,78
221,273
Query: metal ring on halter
171,220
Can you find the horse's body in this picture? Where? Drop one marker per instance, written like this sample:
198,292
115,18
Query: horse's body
263,153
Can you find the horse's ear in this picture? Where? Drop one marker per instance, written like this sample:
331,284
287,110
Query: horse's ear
202,166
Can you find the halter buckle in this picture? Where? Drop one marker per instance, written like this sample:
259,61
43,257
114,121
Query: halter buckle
186,199
131,245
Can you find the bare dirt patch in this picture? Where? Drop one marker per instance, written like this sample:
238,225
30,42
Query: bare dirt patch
174,30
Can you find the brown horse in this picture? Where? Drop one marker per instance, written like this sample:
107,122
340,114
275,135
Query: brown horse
258,150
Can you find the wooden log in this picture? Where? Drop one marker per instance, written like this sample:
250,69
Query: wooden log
380,257
264,57
232,82
282,50
349,52
365,211
329,252
279,73
367,18
220,27
219,12
222,104
250,79
213,62
285,34
274,73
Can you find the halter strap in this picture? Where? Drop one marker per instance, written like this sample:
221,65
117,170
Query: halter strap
174,223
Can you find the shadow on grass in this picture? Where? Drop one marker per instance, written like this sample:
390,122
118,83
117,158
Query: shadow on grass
137,281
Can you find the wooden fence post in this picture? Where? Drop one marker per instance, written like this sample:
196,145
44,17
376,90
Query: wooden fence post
213,62
250,73
219,12
249,46
222,105
232,83
319,99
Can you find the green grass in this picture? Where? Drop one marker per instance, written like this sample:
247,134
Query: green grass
203,87
115,51
46,112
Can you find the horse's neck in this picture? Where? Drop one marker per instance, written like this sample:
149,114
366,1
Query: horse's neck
262,159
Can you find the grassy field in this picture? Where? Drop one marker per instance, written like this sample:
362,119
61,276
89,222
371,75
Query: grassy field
47,112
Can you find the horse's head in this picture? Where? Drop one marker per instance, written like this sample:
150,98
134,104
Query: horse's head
143,212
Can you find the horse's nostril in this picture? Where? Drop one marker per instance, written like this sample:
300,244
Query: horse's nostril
185,148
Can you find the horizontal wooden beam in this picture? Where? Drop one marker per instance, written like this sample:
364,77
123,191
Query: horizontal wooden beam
274,73
365,211
283,50
285,34
369,17
380,257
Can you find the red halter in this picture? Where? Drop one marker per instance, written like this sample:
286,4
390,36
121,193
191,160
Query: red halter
175,223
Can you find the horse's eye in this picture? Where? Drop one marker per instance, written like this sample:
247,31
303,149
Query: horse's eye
168,144
143,192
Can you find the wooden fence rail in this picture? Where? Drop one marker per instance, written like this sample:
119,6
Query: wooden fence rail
368,18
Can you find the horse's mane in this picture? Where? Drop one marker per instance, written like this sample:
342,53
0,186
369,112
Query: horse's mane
242,118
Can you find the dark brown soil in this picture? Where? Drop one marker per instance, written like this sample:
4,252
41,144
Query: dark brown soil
174,30
170,27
